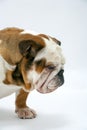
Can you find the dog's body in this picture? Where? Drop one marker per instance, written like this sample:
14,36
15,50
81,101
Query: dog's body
28,61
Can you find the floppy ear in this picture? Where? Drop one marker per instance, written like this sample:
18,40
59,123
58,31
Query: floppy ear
57,41
29,47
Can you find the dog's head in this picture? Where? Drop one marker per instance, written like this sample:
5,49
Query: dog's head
42,65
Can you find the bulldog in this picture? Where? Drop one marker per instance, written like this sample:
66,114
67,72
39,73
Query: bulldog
29,61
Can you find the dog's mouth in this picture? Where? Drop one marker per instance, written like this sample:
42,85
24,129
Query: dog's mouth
49,81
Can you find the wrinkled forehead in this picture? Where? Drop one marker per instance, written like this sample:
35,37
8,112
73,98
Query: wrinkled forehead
52,51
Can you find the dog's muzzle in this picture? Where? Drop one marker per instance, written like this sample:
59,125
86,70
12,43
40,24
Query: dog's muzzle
49,83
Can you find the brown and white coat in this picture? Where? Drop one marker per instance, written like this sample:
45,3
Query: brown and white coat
29,61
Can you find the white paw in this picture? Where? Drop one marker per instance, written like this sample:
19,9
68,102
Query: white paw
26,113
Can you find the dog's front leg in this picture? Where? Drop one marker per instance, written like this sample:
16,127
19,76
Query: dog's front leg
22,110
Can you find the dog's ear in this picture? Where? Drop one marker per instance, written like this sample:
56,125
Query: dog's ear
57,41
29,47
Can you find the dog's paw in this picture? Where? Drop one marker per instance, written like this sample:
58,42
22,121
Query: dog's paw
25,113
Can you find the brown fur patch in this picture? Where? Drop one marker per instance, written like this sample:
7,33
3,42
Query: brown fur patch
11,37
11,30
40,65
28,86
9,47
35,38
10,80
21,99
44,36
24,74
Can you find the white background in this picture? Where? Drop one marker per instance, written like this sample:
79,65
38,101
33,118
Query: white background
66,108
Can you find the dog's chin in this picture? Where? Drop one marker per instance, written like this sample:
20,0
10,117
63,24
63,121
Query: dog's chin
46,89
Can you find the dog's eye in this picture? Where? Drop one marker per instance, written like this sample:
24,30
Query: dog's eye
50,67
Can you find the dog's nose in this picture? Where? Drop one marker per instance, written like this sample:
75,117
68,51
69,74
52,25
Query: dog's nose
61,72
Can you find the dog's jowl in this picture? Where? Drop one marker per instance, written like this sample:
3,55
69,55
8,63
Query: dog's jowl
27,62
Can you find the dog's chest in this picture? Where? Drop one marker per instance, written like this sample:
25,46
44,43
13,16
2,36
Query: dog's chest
5,90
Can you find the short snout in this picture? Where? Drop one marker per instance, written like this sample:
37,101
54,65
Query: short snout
50,85
57,81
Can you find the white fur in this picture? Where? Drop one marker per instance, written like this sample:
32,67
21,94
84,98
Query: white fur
52,53
26,113
5,90
33,76
29,32
4,66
